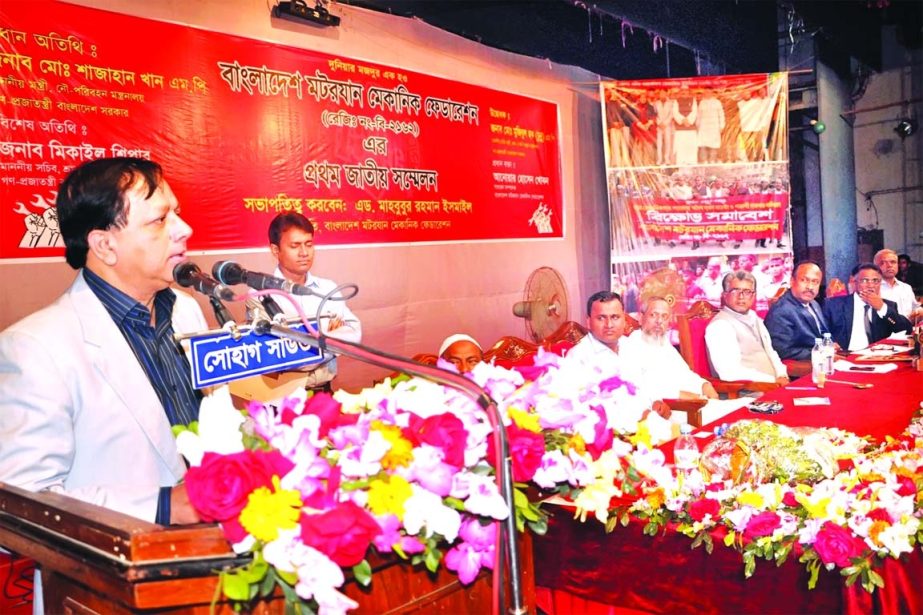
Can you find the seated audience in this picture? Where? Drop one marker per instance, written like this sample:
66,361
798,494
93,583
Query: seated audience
599,348
796,320
662,370
863,317
739,346
462,351
910,273
892,288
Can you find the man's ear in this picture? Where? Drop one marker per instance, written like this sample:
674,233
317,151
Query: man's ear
275,250
103,246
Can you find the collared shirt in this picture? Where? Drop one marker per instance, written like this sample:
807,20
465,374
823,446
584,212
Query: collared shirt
859,338
901,294
663,371
164,364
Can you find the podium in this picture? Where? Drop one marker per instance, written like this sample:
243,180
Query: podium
95,560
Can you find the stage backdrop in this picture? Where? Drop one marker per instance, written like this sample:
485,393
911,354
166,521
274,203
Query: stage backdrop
247,129
698,184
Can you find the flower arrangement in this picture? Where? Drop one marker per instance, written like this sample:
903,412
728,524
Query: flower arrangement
869,508
403,468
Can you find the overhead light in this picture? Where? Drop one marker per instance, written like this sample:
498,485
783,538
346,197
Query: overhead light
906,127
817,126
299,11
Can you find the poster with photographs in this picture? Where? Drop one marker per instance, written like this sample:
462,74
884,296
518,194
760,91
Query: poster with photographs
697,173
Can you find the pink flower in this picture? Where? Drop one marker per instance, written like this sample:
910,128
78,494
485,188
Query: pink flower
762,524
445,431
391,537
836,545
603,440
342,533
526,449
789,499
880,514
611,384
327,409
466,561
478,535
705,506
907,486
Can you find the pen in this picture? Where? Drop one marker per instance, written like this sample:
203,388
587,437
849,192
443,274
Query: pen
801,388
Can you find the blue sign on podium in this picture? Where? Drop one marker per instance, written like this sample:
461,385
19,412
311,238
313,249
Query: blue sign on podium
217,358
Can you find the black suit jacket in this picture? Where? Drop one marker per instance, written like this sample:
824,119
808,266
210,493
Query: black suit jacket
838,311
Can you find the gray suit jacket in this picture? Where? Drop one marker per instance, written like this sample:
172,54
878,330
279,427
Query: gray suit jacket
78,414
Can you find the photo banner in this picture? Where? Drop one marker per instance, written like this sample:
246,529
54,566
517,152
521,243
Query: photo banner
697,172
246,129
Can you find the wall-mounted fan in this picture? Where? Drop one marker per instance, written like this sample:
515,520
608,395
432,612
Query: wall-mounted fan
544,303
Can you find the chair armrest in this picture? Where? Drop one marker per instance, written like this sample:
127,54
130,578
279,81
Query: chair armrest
797,369
734,387
692,408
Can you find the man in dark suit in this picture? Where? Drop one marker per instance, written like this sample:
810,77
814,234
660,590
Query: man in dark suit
796,320
863,317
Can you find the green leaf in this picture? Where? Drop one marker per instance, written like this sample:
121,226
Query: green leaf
539,527
782,554
876,579
268,584
234,586
453,503
749,564
709,543
729,539
698,540
363,573
431,559
814,569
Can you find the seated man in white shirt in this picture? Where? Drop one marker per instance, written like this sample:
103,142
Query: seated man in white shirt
600,347
663,371
291,241
739,346
895,290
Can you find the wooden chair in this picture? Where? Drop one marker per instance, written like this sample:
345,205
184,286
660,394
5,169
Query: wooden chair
691,327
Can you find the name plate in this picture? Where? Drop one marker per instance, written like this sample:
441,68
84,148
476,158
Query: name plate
217,358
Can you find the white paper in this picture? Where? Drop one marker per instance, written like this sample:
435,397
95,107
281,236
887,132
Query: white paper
842,365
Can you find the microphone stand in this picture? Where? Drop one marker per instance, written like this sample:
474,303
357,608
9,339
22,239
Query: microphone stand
503,460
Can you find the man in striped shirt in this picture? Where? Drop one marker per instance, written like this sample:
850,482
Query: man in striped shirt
91,385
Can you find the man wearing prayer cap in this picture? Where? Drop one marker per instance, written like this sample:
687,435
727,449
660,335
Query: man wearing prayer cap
462,351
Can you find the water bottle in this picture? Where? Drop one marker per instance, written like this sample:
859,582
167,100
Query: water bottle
685,450
829,353
818,363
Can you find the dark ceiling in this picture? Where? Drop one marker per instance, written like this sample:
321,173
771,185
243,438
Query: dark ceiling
630,39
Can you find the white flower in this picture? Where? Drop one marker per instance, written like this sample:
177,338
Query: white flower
425,510
365,460
219,429
481,495
896,538
554,469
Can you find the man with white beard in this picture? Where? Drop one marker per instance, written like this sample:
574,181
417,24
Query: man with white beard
663,372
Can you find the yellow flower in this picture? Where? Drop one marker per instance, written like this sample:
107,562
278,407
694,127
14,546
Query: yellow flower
267,511
576,444
524,420
401,452
388,495
656,498
642,436
817,510
877,528
750,498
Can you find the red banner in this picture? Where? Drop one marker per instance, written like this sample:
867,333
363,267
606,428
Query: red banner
246,129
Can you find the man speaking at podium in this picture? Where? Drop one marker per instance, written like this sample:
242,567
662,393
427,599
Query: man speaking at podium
90,385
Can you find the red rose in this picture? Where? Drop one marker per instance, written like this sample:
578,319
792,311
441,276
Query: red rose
789,499
880,514
343,533
218,488
445,431
603,440
526,449
762,524
705,506
837,545
907,486
328,410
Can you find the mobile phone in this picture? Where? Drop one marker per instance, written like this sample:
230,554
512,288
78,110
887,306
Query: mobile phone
766,407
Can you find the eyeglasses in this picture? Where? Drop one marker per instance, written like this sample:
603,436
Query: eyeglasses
870,281
746,293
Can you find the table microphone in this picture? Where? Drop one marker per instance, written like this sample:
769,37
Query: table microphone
230,273
188,275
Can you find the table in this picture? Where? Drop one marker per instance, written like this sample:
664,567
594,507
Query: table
585,570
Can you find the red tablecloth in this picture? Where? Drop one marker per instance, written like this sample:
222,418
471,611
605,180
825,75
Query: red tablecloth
581,569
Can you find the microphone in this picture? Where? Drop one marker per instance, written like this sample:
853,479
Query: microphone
230,273
188,275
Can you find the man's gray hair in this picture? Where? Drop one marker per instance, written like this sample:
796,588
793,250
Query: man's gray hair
740,274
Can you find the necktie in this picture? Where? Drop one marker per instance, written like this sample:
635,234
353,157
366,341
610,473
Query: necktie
867,319
820,327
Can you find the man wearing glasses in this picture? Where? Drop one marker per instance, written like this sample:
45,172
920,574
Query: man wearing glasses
739,346
862,318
